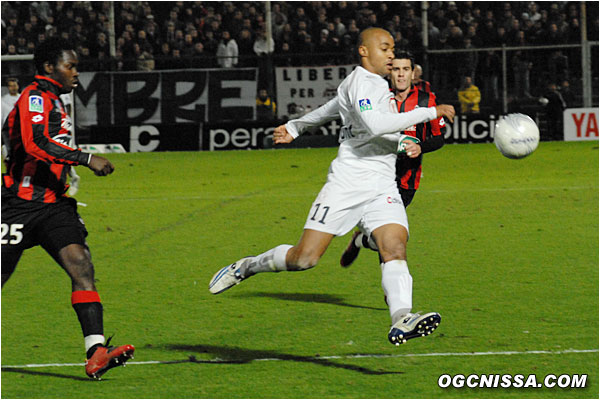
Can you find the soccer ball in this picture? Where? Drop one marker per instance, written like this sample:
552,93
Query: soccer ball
516,136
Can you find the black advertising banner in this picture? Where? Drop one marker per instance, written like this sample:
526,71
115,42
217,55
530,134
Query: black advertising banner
165,97
251,135
150,137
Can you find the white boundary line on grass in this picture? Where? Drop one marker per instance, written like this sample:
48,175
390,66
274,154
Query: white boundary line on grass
352,356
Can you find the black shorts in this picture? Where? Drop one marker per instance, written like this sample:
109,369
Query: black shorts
26,224
407,195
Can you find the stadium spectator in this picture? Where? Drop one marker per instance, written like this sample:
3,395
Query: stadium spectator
555,105
558,66
488,72
266,109
285,36
283,57
468,65
144,43
227,51
100,45
567,94
144,59
469,97
263,45
521,72
10,98
210,43
176,61
199,58
162,59
35,206
246,49
278,18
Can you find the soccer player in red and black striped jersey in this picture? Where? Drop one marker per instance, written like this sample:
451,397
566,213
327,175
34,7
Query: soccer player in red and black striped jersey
35,210
408,164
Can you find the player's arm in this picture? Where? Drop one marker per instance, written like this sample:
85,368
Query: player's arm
38,140
34,111
326,113
434,139
380,122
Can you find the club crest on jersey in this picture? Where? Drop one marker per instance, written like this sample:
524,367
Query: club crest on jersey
364,105
36,104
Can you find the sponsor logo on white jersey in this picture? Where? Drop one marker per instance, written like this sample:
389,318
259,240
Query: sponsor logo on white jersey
393,200
364,105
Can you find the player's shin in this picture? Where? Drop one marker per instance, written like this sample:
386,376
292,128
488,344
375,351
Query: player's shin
86,304
397,286
269,261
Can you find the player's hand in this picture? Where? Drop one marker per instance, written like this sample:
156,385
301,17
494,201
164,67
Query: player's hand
412,149
445,110
281,135
101,166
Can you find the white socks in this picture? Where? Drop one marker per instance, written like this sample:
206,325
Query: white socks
397,286
270,261
92,340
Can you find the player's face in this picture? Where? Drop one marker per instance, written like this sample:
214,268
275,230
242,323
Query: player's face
401,74
380,53
65,71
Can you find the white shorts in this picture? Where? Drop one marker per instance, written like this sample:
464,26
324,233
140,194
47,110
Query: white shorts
339,208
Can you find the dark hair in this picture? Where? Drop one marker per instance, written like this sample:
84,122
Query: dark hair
12,79
406,55
50,51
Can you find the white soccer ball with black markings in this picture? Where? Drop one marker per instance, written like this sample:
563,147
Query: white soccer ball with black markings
516,136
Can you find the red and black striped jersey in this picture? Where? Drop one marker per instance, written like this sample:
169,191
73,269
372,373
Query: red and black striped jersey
408,170
38,136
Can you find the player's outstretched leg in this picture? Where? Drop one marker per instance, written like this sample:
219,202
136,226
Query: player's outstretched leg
270,261
229,276
101,358
413,326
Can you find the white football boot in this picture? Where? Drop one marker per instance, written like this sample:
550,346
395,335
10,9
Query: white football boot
413,325
228,276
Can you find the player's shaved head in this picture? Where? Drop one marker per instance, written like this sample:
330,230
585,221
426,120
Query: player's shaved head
376,50
369,35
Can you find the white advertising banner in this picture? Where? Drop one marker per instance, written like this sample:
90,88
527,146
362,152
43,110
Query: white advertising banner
580,124
300,89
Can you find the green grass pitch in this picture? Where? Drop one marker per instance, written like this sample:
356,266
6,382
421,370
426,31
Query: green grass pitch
506,251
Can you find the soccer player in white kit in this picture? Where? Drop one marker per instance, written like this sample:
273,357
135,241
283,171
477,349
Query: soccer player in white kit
360,188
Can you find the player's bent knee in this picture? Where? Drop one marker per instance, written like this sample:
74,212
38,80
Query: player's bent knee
397,252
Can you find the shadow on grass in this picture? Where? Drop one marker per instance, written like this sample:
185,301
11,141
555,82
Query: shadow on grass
237,355
309,298
49,374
